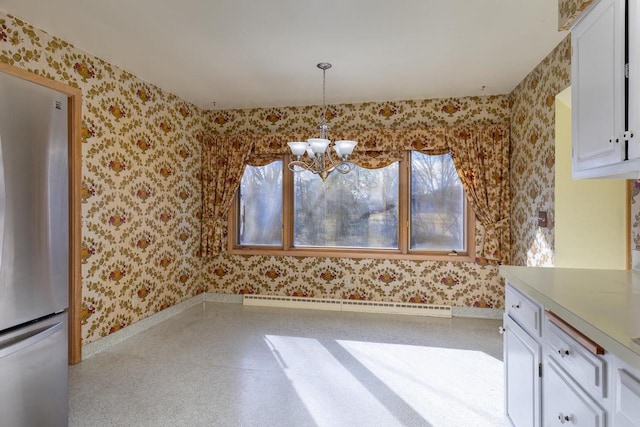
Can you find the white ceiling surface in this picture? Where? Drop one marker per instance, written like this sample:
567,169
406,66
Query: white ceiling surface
263,53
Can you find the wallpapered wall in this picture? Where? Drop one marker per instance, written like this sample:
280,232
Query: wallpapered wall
455,283
533,156
569,11
140,189
140,185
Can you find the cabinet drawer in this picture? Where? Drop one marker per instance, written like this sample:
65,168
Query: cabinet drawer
565,402
523,310
627,396
586,368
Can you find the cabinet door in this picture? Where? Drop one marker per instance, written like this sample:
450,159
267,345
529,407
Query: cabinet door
597,86
522,380
566,403
626,395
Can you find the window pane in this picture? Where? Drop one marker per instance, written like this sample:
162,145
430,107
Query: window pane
359,209
260,218
437,204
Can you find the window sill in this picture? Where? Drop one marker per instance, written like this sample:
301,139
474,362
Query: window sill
352,253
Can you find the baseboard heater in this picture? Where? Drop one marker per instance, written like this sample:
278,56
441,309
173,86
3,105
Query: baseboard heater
348,305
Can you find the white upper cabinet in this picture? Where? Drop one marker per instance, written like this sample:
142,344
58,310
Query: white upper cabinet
633,12
598,43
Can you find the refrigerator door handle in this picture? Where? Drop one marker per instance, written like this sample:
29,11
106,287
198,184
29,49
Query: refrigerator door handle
20,342
3,202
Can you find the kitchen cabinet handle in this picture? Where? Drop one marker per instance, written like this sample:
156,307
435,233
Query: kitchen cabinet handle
563,418
515,306
501,330
575,334
563,353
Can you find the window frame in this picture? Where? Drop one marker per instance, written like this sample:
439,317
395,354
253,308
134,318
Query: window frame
404,222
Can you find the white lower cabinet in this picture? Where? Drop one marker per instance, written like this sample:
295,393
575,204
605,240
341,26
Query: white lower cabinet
565,402
626,395
522,359
555,375
522,380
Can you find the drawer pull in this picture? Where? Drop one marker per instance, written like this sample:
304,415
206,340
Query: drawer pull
563,353
563,418
576,335
515,306
501,330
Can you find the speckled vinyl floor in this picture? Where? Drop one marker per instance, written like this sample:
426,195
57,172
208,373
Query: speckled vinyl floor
220,364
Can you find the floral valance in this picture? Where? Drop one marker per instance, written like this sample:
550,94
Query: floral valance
375,149
425,139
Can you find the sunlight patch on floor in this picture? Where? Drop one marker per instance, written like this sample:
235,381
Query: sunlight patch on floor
441,386
307,364
445,386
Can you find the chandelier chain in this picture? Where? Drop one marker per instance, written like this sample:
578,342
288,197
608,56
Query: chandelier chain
324,103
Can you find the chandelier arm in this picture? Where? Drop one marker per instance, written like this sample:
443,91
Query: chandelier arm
330,156
304,166
340,159
342,166
348,167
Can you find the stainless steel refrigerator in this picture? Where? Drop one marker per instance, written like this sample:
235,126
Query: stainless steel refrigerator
34,254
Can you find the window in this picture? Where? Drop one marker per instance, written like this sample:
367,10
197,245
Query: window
260,213
356,210
437,204
412,209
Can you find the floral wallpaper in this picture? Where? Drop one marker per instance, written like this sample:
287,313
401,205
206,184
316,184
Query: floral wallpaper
533,156
455,283
140,182
141,189
470,284
366,116
569,11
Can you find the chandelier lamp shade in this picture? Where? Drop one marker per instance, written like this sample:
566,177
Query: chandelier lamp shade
319,159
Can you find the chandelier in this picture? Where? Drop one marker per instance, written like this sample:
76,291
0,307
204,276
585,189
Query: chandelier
319,159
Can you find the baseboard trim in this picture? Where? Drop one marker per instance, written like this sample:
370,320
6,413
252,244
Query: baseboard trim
359,306
370,306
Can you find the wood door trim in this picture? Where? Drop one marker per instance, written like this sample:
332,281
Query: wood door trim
75,208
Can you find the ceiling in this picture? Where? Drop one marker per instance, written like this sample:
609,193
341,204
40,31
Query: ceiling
222,54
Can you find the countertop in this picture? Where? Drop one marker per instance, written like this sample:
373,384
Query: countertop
602,304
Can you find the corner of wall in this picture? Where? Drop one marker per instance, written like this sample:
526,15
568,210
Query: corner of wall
533,156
